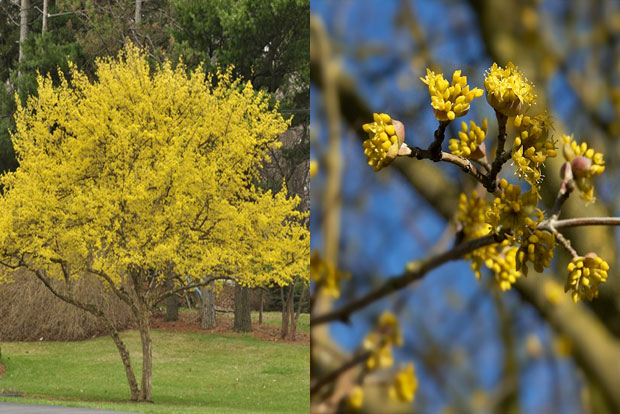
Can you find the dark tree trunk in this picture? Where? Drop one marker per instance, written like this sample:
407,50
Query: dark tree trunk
243,318
296,317
172,303
207,315
260,309
284,328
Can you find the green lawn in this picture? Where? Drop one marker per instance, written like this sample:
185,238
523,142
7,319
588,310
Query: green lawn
192,373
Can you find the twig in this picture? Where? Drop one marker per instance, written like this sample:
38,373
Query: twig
466,165
586,221
415,271
332,376
566,188
501,156
435,147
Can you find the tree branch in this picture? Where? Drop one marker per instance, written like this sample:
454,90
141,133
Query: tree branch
415,271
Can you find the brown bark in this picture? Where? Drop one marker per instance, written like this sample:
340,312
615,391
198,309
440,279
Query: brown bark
287,310
243,318
138,14
172,303
260,309
207,315
147,354
295,319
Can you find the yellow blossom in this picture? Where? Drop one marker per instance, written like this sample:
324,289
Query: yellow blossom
532,146
380,357
508,91
514,211
405,385
585,274
536,247
469,141
326,276
355,399
388,326
450,100
585,164
553,292
500,258
314,168
385,136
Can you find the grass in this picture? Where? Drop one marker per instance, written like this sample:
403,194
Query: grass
192,373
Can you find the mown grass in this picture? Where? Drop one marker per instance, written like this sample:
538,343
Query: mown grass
192,373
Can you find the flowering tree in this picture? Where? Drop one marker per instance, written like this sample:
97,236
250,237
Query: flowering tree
502,225
142,174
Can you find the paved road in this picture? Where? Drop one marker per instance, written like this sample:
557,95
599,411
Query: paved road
13,408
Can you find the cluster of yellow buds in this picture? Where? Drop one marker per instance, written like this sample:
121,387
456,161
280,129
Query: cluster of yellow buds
472,213
508,91
450,100
536,247
533,145
469,143
385,138
405,385
499,258
355,399
585,164
326,276
514,211
585,274
379,342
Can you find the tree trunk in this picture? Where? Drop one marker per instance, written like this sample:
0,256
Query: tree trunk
138,14
147,354
23,28
243,318
207,320
296,318
287,309
131,377
260,309
172,303
44,23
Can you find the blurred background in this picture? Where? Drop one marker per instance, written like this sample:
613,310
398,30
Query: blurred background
475,349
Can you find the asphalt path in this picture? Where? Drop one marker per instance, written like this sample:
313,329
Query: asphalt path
14,408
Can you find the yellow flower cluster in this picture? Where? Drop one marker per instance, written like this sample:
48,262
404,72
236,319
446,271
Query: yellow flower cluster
508,91
469,141
314,168
405,385
380,341
384,140
472,214
499,258
514,211
585,164
585,274
326,277
450,100
355,399
532,146
537,247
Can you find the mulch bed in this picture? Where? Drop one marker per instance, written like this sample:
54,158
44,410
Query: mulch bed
190,322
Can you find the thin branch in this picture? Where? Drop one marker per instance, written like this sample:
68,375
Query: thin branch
333,376
586,221
435,147
415,271
501,156
466,165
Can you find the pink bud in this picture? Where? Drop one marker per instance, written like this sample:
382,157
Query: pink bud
581,165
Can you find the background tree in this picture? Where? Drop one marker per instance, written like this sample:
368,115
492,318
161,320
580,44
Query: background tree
138,174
